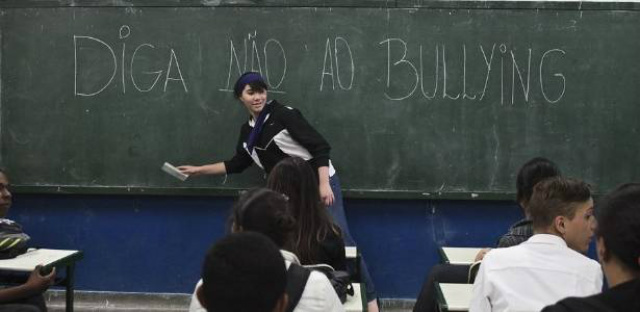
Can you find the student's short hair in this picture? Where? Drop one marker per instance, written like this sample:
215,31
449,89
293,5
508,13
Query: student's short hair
532,172
253,79
618,216
265,211
243,272
554,197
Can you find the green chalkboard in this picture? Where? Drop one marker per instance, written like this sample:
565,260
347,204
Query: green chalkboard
430,100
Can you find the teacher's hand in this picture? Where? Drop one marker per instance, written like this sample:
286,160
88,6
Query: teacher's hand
326,194
190,170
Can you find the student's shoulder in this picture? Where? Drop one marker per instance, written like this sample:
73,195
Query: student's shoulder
318,279
587,268
584,261
319,294
503,254
574,304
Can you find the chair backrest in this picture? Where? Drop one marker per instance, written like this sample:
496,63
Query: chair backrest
473,271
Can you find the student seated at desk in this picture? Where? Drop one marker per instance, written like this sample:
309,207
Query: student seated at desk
550,265
316,239
243,272
532,172
265,211
28,296
618,245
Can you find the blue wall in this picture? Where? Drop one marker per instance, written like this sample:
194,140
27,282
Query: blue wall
156,243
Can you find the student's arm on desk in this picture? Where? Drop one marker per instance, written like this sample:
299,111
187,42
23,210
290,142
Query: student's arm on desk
35,284
480,297
481,254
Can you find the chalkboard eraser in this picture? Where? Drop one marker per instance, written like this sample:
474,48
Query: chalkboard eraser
170,169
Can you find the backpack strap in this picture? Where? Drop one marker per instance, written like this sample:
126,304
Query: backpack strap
297,277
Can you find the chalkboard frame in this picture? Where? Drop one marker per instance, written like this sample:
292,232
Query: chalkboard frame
217,191
436,4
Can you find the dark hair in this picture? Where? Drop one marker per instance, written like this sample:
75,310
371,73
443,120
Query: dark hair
243,272
532,172
294,177
253,79
264,211
554,197
618,216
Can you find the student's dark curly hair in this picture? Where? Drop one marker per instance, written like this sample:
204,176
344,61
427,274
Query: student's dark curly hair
532,172
618,216
243,272
264,211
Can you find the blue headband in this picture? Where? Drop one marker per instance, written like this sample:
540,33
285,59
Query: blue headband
245,80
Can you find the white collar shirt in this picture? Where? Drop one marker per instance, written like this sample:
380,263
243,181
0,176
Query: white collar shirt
532,275
318,294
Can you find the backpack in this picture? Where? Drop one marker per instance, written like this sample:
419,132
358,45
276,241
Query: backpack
13,241
340,280
297,277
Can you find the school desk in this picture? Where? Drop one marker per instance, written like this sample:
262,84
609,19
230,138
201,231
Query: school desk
454,297
458,255
48,258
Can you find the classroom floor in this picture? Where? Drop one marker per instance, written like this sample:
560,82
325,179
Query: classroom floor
138,302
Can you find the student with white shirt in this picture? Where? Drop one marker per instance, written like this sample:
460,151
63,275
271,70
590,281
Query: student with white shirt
550,265
532,172
265,211
243,272
618,245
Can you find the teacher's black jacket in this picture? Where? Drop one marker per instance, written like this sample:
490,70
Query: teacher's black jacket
285,133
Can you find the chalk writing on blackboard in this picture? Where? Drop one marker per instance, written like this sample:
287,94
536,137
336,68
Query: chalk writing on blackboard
88,50
515,74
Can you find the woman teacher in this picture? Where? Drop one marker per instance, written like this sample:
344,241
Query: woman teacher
275,132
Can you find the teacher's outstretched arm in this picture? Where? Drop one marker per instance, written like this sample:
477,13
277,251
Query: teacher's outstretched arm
213,169
240,161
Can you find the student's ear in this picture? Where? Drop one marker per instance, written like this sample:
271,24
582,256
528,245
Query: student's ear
235,228
200,296
281,305
559,226
601,250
